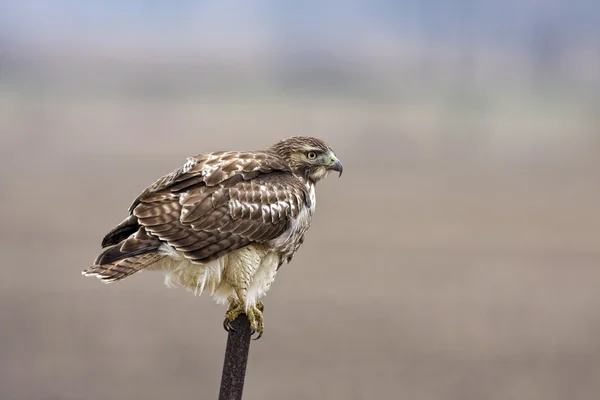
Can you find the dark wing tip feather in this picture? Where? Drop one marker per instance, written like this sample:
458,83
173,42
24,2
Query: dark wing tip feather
121,232
134,245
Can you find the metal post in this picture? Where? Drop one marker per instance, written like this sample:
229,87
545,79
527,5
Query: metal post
236,358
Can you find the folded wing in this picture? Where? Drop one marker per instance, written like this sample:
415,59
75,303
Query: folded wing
217,204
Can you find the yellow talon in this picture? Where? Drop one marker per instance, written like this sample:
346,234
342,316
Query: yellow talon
260,306
254,314
233,311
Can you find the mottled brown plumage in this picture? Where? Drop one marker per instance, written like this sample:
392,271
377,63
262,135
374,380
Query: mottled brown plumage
245,211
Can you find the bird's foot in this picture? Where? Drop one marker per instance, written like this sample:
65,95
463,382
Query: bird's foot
254,314
233,311
260,306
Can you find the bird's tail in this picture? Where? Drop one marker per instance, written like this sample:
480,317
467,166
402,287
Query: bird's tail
123,268
125,258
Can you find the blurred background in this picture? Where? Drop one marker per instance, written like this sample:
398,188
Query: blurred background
457,258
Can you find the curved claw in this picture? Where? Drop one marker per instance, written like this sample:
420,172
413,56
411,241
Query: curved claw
227,326
254,314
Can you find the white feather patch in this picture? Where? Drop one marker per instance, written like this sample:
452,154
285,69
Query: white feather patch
249,266
191,163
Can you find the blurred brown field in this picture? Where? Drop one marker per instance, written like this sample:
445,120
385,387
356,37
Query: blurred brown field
442,265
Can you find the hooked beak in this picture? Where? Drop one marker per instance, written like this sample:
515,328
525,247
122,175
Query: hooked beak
336,165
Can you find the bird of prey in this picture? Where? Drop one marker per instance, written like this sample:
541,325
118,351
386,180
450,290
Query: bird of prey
223,223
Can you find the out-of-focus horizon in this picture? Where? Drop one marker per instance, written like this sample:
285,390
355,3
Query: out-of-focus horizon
457,258
472,65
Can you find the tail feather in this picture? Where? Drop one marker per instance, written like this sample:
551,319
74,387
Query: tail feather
123,268
134,253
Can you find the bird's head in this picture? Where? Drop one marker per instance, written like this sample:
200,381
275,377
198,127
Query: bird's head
309,157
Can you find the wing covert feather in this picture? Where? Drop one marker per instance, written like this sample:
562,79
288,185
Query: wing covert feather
220,202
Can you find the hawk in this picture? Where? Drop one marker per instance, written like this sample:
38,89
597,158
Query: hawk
223,223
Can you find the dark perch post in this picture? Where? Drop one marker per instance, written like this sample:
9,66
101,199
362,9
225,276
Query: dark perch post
236,358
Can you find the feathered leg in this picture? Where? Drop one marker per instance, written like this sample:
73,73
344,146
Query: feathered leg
239,277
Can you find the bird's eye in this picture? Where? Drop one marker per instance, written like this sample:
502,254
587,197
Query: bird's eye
311,155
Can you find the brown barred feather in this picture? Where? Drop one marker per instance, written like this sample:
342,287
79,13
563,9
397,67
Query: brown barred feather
121,232
214,220
136,244
123,268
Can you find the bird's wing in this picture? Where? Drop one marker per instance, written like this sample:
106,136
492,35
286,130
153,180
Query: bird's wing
212,169
207,212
